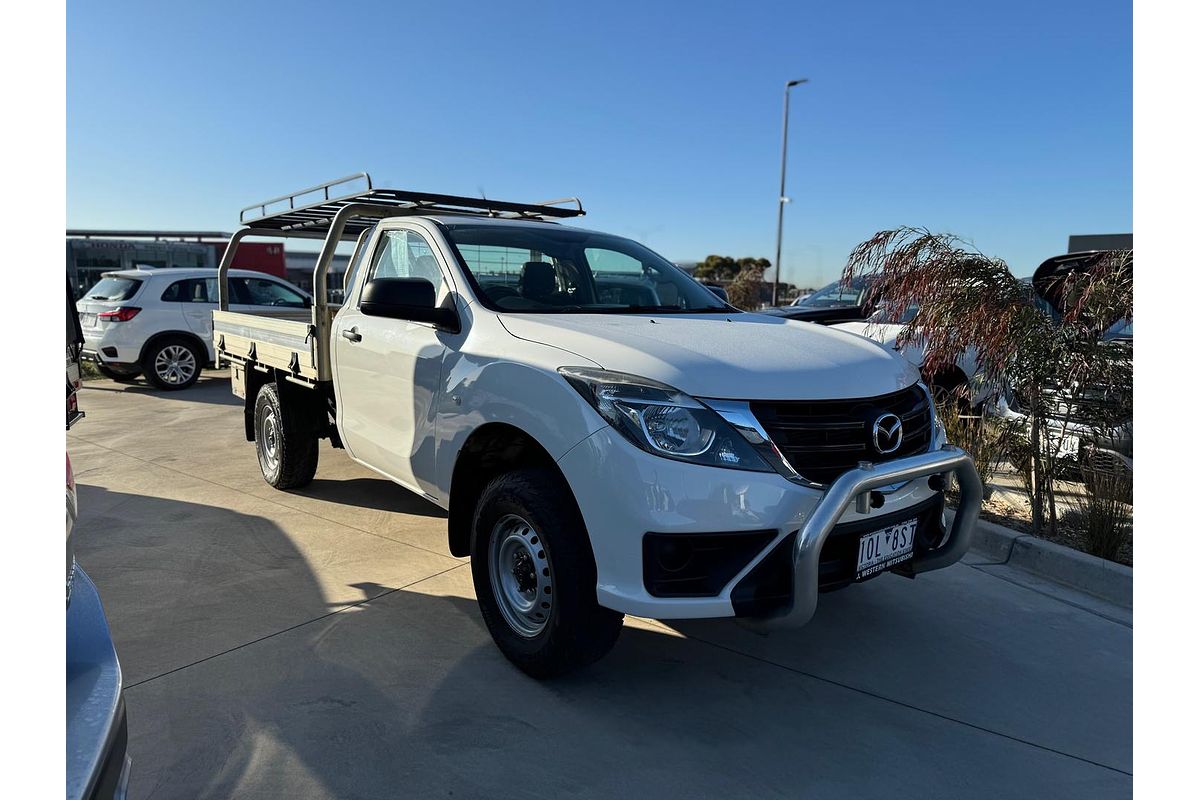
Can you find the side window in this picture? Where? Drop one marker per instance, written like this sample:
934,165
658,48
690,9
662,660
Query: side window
406,254
263,292
191,290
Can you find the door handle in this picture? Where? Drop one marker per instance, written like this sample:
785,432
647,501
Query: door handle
352,334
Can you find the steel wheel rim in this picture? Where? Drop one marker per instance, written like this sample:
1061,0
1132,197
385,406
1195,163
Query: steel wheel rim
175,364
268,441
522,581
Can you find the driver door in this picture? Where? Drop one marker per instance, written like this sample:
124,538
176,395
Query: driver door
388,371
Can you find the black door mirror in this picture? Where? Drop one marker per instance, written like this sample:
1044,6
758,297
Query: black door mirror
407,298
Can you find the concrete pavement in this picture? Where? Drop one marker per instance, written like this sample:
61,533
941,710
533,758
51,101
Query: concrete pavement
324,643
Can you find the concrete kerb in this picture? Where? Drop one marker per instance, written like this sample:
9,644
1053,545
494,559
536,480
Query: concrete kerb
1107,580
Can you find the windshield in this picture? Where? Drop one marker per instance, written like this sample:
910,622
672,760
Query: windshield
835,295
550,269
113,288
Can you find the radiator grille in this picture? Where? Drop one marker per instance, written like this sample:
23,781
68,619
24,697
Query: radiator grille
822,439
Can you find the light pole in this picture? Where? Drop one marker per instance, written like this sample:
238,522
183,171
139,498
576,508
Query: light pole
783,198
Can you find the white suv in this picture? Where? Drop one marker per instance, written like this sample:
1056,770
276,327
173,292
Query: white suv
158,322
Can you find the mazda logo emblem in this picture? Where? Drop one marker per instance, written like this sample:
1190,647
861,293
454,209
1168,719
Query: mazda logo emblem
887,433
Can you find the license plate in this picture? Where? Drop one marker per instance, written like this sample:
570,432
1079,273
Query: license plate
884,549
87,320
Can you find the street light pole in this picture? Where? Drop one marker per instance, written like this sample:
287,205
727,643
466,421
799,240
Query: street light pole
783,198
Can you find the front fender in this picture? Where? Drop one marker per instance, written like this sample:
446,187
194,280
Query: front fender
483,389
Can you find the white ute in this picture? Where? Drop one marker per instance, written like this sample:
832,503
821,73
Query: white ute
607,436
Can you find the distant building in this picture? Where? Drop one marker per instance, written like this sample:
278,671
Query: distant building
300,265
90,253
1100,241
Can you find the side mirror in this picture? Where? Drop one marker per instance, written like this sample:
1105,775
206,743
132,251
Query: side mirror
407,298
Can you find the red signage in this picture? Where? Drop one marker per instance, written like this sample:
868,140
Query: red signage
260,256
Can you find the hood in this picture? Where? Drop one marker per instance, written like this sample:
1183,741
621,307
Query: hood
886,334
731,357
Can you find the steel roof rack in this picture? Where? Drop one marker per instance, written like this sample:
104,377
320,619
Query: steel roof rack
311,211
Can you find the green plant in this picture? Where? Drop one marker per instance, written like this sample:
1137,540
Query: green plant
1104,519
985,436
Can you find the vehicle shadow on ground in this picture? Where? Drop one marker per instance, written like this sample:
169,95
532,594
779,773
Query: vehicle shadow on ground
212,387
186,588
379,494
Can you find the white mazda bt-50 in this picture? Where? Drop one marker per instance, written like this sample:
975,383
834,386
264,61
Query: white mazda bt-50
607,435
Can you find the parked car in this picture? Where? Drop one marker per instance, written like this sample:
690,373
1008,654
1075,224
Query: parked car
158,322
597,457
1091,427
955,383
97,762
830,304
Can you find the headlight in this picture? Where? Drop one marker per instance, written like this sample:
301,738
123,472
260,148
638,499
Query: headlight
663,420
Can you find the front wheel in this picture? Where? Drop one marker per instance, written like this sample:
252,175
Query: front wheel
535,577
287,451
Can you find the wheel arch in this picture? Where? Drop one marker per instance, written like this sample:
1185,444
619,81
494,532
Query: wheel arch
310,404
948,376
154,340
491,449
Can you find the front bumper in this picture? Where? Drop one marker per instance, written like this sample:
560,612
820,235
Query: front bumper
850,485
625,493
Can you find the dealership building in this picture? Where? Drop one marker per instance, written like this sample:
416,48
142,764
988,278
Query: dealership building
90,253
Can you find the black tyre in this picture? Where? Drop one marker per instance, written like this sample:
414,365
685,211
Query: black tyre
172,363
535,576
287,450
118,375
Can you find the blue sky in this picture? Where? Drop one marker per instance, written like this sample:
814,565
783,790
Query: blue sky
1009,123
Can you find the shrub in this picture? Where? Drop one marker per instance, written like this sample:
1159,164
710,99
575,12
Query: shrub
966,300
1101,513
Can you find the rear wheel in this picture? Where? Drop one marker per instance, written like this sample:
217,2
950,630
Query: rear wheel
126,375
172,363
287,451
535,576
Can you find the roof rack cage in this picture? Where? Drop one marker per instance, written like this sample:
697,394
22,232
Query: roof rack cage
312,210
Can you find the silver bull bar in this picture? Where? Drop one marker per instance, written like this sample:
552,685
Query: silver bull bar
843,491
